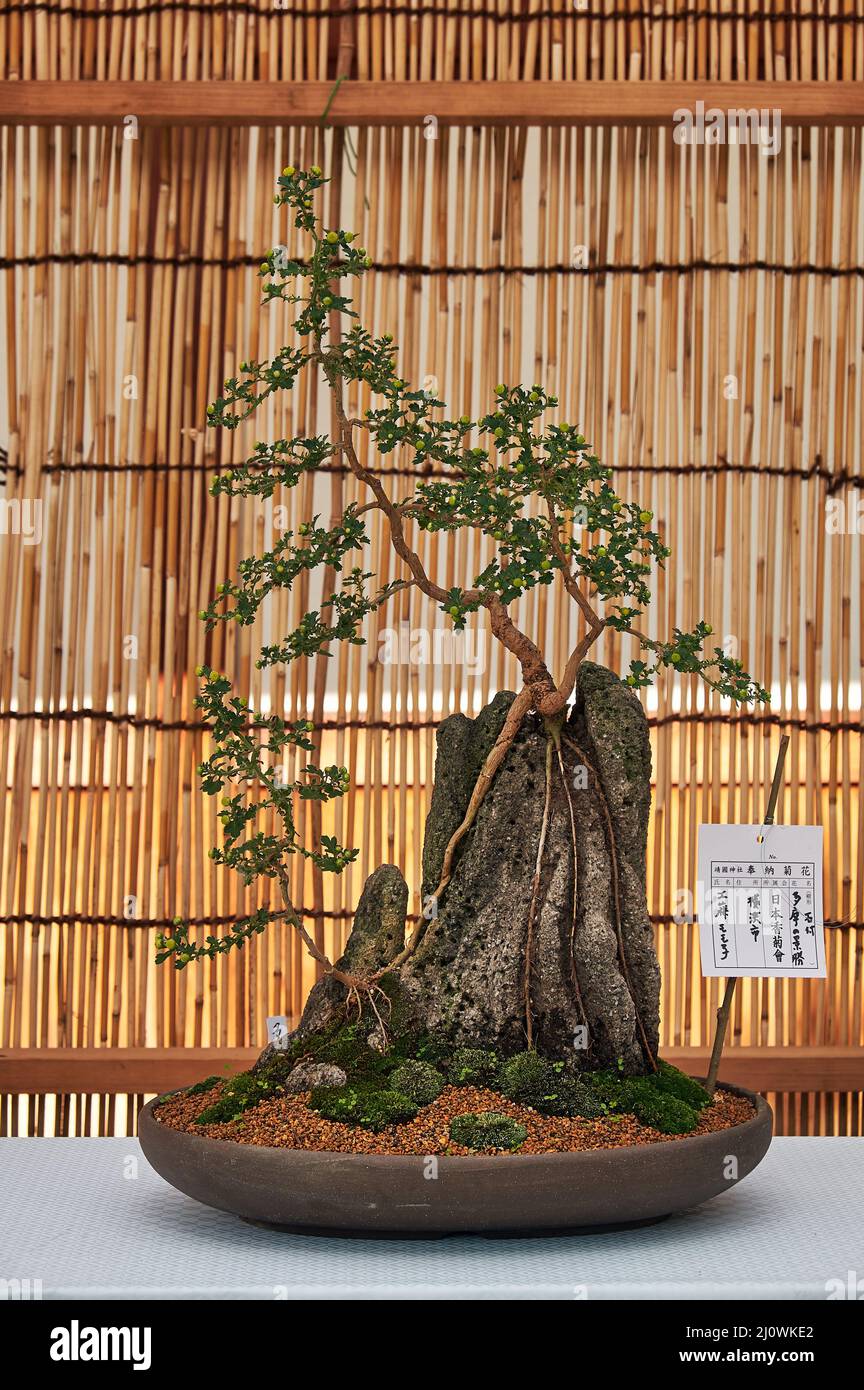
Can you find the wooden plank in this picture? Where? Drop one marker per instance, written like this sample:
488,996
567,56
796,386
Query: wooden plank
779,1069
141,1070
236,104
115,1071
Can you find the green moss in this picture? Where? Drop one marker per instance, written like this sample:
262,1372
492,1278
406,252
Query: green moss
400,1023
640,1096
571,1096
527,1077
487,1130
435,1050
471,1066
276,1068
606,1087
417,1080
239,1094
346,1045
548,1087
675,1083
201,1087
368,1106
530,1079
666,1100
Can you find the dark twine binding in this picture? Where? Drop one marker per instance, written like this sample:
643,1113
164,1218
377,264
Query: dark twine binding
696,265
81,919
745,720
834,478
686,14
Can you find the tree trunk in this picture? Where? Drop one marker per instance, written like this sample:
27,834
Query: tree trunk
503,959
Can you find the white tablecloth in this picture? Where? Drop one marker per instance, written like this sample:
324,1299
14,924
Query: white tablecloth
90,1219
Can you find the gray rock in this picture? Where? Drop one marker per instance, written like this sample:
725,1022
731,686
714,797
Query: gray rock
306,1075
466,980
377,935
467,977
462,745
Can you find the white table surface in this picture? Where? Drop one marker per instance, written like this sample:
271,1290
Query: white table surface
91,1219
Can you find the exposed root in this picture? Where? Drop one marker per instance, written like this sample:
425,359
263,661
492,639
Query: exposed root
496,756
499,751
616,897
574,975
377,1000
535,893
353,983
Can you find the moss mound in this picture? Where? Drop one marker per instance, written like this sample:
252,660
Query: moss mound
667,1100
370,1107
547,1087
572,1097
239,1094
528,1078
201,1087
472,1066
651,1106
418,1081
487,1130
676,1083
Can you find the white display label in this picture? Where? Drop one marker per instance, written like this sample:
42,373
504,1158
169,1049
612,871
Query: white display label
760,904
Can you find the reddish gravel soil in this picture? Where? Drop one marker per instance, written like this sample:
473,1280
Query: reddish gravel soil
286,1123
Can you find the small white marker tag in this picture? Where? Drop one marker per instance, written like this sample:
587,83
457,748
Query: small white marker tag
759,898
277,1032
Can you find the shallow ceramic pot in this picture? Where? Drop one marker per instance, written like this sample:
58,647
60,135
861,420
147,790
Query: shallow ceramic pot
396,1194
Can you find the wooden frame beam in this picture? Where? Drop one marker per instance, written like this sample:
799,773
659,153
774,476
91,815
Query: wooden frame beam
144,1070
115,1070
411,103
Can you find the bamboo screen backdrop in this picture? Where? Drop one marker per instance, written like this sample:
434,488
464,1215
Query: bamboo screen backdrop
712,351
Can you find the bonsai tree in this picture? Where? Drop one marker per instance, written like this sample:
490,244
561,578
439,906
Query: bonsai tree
535,927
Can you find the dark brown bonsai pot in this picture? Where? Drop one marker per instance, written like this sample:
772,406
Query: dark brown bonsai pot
396,1194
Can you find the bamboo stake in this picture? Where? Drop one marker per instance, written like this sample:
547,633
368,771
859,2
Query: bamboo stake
726,1007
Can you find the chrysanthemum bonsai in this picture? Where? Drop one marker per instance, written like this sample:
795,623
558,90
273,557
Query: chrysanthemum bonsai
531,970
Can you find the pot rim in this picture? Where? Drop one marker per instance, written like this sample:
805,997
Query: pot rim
691,1142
